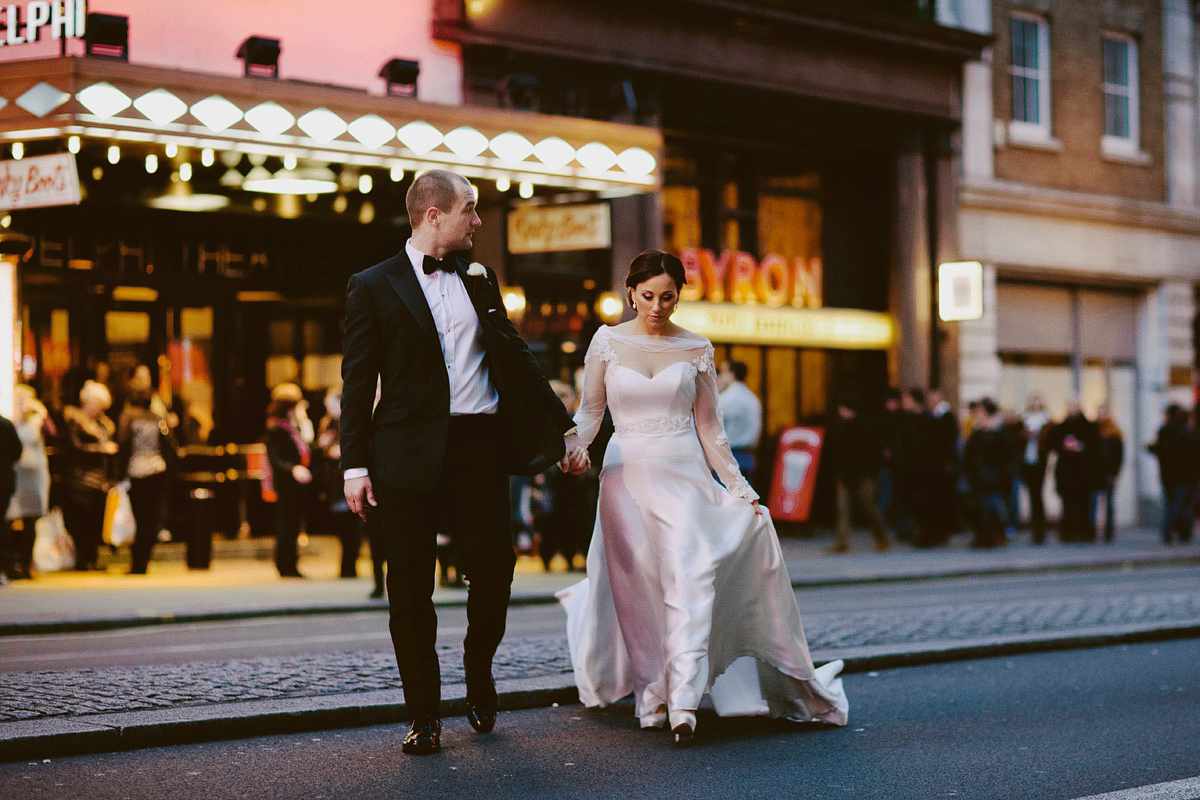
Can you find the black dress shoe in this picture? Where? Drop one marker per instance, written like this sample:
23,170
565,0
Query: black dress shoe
482,701
424,737
482,717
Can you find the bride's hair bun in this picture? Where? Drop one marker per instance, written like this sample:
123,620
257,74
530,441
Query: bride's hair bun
655,262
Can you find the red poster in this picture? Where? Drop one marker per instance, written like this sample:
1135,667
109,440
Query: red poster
795,473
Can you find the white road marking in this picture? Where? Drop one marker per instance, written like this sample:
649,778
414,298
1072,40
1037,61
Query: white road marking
1186,789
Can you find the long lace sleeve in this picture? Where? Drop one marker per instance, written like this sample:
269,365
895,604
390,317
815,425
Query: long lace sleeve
711,430
594,398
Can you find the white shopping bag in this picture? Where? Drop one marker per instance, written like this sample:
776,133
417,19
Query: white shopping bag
53,548
119,524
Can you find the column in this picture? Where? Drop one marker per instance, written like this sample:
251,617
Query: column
910,277
1179,68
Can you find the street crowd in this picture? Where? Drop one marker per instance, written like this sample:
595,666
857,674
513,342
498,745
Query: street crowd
918,472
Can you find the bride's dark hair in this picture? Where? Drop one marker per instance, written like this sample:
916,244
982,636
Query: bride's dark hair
655,262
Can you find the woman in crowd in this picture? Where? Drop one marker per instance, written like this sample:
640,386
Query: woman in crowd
288,459
142,440
31,497
89,450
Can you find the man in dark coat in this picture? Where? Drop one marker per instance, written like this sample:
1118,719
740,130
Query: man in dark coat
1076,442
1177,448
462,403
988,467
10,452
855,451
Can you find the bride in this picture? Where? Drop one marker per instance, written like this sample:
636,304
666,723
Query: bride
686,592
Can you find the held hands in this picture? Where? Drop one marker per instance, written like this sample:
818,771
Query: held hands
575,460
359,493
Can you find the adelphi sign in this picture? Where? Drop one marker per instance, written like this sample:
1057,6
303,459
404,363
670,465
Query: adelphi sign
32,21
741,278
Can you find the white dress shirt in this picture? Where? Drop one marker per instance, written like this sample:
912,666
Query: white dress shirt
741,412
461,338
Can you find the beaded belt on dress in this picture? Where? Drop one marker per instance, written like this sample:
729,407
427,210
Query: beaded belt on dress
655,425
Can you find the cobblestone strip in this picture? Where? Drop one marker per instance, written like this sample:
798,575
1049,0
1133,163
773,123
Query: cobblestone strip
33,695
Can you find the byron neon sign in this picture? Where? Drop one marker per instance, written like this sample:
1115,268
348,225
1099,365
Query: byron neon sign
739,277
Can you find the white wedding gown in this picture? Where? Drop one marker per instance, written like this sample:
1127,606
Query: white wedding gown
686,592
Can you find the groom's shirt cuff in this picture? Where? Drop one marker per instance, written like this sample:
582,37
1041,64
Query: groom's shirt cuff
355,472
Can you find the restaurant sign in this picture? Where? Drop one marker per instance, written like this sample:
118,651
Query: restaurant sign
557,229
33,21
39,181
741,278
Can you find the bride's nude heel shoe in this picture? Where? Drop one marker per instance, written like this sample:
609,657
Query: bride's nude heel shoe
656,720
683,725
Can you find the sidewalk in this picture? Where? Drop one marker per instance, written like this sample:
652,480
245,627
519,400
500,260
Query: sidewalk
241,586
50,714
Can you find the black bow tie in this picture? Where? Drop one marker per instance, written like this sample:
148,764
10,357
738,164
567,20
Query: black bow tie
432,265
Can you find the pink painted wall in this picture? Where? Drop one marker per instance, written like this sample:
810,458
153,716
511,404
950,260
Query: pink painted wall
341,42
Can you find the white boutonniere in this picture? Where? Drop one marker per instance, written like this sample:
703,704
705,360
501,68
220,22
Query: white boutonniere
476,270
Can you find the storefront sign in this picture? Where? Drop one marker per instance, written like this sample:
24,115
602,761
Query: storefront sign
39,181
738,277
31,22
557,229
839,328
960,290
795,473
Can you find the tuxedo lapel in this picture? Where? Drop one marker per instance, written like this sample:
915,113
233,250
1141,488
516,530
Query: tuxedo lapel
404,281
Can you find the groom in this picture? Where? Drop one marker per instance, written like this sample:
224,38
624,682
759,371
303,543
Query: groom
462,405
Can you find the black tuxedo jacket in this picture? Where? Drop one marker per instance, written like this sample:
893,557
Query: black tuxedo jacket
390,333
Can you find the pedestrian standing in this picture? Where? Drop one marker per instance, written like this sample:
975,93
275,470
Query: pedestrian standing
987,467
854,451
557,501
741,411
288,459
1036,426
940,472
142,440
345,524
1178,452
1076,443
31,495
10,452
463,402
89,455
1112,455
1014,429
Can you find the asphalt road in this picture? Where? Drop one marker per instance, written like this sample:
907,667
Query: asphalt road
367,631
1049,726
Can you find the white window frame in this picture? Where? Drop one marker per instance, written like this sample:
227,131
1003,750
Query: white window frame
1021,131
1122,146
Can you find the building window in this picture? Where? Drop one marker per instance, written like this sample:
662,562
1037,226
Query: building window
1030,78
1120,95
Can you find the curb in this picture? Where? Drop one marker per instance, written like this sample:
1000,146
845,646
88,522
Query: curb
531,599
150,620
58,737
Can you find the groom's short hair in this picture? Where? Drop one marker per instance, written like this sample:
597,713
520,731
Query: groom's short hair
437,188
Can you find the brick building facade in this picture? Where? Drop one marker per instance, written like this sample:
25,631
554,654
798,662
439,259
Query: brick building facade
1078,196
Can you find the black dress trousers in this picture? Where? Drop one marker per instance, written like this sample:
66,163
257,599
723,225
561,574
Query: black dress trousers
470,503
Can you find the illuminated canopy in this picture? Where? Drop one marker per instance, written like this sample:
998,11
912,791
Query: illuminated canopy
837,328
121,102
